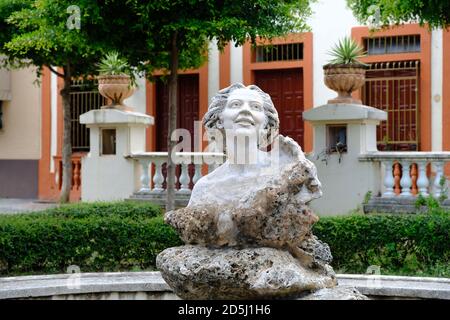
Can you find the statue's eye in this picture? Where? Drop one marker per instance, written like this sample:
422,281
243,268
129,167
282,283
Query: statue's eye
236,104
256,106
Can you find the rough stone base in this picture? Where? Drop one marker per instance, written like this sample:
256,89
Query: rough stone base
336,293
196,272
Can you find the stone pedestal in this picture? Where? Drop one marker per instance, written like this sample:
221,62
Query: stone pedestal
106,171
345,179
196,272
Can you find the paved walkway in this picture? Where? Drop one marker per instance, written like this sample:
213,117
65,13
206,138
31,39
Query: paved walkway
23,205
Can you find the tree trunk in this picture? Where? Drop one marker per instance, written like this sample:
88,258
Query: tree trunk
67,143
173,89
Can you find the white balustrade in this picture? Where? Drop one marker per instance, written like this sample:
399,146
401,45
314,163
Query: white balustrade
407,160
184,179
185,160
438,188
422,179
405,181
158,178
388,180
145,179
197,174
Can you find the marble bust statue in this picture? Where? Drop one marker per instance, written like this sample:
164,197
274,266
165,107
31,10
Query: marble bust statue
239,202
247,227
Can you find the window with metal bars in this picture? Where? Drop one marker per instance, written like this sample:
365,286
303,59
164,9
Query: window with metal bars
279,52
394,44
394,87
84,96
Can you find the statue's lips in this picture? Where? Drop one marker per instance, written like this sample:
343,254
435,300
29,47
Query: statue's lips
245,122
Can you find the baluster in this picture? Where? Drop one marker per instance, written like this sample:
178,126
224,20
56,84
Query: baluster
405,181
158,178
57,178
438,189
197,174
184,179
422,181
397,177
388,180
145,179
72,181
414,179
76,175
79,174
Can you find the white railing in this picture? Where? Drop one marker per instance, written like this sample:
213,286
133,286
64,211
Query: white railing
152,164
406,173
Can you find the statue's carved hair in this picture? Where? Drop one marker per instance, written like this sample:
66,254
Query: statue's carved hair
211,120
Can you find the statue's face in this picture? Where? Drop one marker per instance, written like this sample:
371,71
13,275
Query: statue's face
244,112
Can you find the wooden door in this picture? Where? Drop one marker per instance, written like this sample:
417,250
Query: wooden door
285,86
187,111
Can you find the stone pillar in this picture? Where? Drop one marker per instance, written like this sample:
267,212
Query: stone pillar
345,179
107,173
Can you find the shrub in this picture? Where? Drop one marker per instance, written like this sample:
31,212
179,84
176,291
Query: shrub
95,237
126,236
399,244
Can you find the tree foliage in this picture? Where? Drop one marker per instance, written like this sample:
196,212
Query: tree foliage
435,13
143,29
46,33
41,36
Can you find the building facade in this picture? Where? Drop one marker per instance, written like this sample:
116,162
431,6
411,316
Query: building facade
409,78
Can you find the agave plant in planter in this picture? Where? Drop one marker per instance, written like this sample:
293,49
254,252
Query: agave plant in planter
115,81
345,73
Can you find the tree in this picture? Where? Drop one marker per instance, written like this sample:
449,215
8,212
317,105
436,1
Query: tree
173,35
48,33
435,13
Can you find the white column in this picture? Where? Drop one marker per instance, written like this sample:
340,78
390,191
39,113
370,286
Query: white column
213,70
422,179
405,181
436,89
145,179
184,179
236,64
198,173
158,178
388,180
438,189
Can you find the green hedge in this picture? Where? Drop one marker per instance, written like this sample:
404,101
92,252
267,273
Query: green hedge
128,236
95,237
399,244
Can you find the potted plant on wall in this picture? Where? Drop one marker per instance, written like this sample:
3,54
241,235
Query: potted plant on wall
115,81
345,73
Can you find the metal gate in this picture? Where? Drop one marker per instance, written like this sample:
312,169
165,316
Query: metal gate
84,96
394,88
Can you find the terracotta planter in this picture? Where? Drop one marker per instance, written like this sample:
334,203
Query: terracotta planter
344,79
116,88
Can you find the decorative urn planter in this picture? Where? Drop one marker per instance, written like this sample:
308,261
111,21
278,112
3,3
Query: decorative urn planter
116,88
344,79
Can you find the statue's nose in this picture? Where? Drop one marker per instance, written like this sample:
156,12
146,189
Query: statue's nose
245,109
246,106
